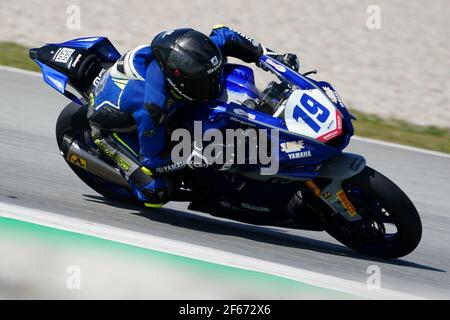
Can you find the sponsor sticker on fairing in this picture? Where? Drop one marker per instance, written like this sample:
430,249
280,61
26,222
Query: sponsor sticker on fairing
331,94
80,162
346,203
57,83
244,114
295,149
77,59
277,66
64,55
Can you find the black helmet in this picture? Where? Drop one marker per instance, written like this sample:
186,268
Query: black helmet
191,62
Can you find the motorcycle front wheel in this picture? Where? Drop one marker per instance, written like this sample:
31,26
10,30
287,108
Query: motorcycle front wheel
391,226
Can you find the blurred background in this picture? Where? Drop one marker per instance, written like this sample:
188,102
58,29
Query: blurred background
389,58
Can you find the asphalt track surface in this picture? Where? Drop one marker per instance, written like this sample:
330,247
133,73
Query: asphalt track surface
33,174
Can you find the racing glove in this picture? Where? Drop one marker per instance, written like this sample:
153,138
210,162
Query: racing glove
288,59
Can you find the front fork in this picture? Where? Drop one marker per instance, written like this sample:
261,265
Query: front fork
338,169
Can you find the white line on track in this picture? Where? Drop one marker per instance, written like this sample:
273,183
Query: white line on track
21,71
401,146
368,140
202,253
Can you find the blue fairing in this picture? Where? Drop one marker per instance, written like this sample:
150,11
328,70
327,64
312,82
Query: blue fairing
101,46
239,78
53,78
288,74
219,115
56,80
346,116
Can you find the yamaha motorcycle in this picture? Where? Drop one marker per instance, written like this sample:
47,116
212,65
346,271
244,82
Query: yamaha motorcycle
317,186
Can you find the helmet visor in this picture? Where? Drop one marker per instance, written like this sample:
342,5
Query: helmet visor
202,89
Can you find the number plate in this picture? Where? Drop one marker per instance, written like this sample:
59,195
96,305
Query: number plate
311,113
63,55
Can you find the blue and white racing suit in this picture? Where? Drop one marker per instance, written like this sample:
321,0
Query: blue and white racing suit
133,94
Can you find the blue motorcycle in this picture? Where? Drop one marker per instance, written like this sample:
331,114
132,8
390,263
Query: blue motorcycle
316,187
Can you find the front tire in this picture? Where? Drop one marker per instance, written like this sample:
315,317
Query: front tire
383,206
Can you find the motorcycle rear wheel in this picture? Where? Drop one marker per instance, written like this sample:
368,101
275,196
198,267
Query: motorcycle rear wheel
73,122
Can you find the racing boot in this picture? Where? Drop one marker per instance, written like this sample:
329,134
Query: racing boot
152,190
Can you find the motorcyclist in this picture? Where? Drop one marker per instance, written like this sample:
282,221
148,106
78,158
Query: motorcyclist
150,82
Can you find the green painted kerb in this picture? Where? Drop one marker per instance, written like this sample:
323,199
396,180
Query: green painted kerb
25,232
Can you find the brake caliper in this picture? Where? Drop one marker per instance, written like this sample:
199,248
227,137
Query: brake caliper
336,198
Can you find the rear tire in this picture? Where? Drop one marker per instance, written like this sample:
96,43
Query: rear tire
382,200
73,121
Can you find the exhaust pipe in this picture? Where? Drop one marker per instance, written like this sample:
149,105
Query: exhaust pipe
78,154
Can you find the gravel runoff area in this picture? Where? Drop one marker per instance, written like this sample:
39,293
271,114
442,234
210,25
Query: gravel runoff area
400,70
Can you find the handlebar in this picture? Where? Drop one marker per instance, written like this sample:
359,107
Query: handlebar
284,73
